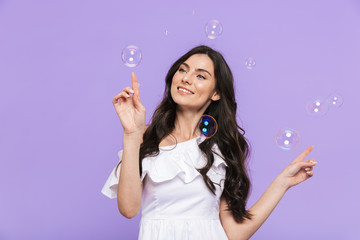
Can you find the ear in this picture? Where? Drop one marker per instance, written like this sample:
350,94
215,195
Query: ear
215,96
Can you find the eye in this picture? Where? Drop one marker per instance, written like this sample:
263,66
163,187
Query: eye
202,76
181,69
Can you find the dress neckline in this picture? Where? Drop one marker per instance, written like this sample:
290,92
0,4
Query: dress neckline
181,143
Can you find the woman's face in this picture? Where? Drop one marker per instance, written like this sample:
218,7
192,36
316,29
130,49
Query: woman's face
197,75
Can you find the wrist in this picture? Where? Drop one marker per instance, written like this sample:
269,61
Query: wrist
133,137
281,183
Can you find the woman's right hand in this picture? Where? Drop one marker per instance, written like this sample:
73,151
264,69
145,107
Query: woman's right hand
129,109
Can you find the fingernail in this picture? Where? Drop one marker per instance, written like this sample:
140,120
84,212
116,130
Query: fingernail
132,91
307,169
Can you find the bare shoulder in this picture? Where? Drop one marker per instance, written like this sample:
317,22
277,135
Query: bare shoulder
146,126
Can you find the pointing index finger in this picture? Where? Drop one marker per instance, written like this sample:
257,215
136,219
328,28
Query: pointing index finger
302,156
135,84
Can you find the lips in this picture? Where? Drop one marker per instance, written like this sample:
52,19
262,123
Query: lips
186,89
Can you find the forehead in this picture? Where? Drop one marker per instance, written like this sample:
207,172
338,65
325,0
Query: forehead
200,61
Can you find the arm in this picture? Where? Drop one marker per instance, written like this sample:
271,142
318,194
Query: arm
297,172
261,211
130,187
131,113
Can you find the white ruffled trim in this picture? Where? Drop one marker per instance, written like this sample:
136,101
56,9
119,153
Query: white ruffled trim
168,165
110,187
218,160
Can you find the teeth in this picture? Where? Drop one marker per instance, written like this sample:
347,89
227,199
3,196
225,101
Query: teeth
184,90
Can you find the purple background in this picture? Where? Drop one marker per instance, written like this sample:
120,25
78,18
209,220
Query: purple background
60,67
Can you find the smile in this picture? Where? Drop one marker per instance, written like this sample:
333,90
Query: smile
184,92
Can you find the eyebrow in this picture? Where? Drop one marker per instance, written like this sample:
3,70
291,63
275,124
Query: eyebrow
198,69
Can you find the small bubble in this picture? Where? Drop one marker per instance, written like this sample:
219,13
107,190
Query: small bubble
317,107
250,63
131,56
213,29
335,100
287,138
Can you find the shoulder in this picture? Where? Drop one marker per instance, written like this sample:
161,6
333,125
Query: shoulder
146,126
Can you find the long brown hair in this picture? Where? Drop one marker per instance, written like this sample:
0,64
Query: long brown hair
232,144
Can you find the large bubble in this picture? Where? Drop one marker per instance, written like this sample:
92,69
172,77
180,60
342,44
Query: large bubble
208,126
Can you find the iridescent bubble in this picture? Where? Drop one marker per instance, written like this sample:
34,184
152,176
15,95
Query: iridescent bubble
131,56
250,63
166,32
287,138
208,126
334,100
317,107
213,29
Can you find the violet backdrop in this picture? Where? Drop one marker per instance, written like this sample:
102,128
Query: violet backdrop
60,67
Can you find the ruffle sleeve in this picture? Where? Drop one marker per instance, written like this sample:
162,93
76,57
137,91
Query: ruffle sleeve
111,185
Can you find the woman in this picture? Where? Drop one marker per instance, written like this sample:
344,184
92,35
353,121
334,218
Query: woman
189,186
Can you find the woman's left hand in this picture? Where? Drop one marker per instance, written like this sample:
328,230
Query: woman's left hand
298,170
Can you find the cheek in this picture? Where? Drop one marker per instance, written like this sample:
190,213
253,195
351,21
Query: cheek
174,84
175,78
204,89
201,87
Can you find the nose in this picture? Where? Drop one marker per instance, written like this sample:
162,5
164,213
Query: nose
186,79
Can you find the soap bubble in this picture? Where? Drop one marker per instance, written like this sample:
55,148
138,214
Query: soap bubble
131,56
208,126
335,100
317,107
250,63
287,138
213,29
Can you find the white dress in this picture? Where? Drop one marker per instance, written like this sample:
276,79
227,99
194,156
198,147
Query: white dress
176,203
